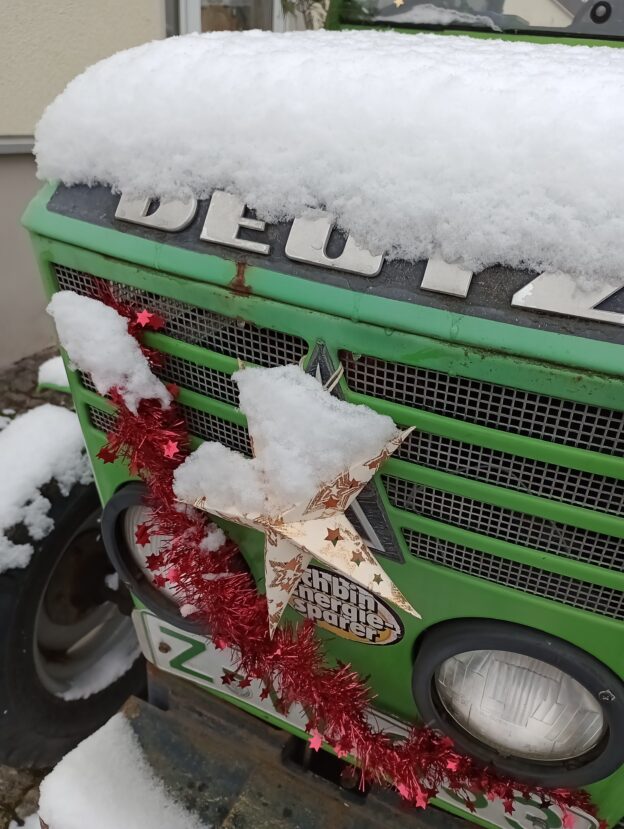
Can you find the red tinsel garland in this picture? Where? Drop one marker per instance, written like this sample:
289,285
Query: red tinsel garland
292,665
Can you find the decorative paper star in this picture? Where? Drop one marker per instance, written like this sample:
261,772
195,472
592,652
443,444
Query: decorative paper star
171,448
316,530
143,318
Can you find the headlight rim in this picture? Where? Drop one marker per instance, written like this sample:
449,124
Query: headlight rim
461,635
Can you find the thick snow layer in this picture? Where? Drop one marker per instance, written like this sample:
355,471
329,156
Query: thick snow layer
31,822
478,151
97,340
52,373
214,538
106,783
40,445
303,437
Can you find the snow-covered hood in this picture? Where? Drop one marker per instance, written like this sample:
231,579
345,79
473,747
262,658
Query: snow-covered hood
478,152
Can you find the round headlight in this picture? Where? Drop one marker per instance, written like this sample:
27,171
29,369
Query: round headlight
531,705
121,518
520,705
132,518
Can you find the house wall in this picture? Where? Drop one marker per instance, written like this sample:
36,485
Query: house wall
43,45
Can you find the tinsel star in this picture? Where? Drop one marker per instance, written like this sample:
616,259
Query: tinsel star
142,534
171,448
319,529
143,318
107,455
317,740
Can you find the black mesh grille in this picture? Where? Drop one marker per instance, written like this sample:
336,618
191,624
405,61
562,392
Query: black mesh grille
559,483
206,381
201,424
224,335
488,404
507,525
580,594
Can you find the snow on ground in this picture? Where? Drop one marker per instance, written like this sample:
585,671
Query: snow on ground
106,783
42,444
479,151
303,437
97,340
52,373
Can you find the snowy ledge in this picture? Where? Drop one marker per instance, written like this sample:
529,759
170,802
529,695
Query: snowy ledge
481,152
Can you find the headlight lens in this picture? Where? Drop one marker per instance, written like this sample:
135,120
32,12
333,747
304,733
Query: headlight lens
519,705
132,517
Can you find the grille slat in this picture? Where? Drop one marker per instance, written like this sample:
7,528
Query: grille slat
507,525
488,404
548,480
224,335
579,594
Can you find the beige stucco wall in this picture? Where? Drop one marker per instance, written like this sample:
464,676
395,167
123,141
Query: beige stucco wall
24,327
45,43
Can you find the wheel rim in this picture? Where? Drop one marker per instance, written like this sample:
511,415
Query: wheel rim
82,641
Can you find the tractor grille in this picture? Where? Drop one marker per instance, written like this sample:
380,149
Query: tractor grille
507,525
207,381
488,404
559,483
580,594
202,424
190,324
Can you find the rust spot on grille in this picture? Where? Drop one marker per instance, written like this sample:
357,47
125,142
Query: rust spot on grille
238,284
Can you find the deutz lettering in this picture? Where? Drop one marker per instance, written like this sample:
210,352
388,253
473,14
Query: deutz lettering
556,292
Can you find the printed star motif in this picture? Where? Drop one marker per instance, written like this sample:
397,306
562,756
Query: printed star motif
244,683
142,534
143,318
227,678
292,539
333,536
398,3
107,455
159,581
317,740
171,449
